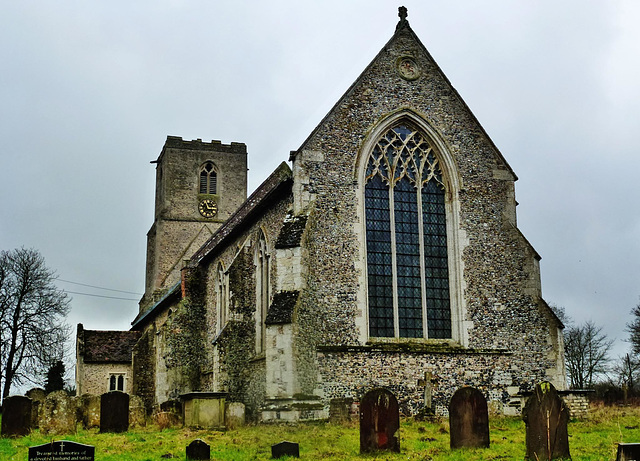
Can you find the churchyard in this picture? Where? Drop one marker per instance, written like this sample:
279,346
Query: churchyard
594,437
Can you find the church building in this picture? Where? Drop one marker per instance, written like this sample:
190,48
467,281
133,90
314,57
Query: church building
386,253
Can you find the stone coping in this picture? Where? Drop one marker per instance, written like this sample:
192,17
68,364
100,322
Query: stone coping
204,395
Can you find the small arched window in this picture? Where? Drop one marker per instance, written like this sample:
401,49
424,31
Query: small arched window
262,291
406,235
208,179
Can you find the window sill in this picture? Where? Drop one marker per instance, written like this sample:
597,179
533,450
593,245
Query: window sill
412,346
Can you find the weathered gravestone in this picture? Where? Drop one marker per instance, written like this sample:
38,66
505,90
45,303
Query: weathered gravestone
546,416
62,450
114,412
468,419
285,449
198,450
89,410
234,415
379,422
58,414
16,416
37,396
628,452
137,412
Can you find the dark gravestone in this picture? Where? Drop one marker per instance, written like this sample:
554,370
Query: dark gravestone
114,412
546,416
468,419
62,450
285,449
198,450
628,452
16,416
379,422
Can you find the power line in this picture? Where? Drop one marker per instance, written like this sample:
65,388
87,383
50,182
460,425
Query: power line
99,288
101,296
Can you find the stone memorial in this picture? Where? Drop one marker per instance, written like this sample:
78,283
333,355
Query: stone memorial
628,452
58,414
62,450
546,416
114,412
285,449
37,396
137,412
468,419
198,450
89,411
234,415
379,422
16,416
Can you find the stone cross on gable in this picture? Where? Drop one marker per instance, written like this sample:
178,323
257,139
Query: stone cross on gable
402,12
428,383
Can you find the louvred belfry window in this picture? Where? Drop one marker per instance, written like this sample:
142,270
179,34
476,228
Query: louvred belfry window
208,179
406,232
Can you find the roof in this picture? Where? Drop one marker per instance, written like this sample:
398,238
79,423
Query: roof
282,308
102,346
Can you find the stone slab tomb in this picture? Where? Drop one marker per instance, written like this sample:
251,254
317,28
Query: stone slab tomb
546,416
285,449
379,422
62,450
198,450
628,452
58,414
114,412
468,419
16,416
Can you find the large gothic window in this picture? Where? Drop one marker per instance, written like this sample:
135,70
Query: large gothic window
208,179
406,232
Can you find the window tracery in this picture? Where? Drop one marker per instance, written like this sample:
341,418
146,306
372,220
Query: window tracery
208,179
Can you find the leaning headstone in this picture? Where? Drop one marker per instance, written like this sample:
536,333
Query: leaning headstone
198,450
379,422
16,416
546,416
285,449
58,414
234,415
62,450
340,410
37,396
468,419
628,452
114,412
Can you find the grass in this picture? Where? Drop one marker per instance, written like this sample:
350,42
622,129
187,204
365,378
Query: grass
594,438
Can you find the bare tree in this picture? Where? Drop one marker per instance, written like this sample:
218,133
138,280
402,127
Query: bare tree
586,354
32,318
634,330
626,370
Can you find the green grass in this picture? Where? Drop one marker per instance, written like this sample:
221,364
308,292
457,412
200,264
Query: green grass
594,438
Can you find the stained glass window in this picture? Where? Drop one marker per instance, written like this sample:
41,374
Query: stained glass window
407,265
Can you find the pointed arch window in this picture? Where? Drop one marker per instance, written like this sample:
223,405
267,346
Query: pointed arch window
222,297
208,179
406,234
262,291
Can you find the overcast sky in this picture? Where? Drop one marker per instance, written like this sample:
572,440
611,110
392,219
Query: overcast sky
90,90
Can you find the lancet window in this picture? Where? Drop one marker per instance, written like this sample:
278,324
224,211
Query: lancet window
406,235
208,179
262,291
222,297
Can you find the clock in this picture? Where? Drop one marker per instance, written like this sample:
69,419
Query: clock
208,208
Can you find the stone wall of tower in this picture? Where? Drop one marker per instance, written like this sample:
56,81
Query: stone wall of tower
179,229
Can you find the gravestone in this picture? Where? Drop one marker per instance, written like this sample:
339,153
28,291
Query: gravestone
16,416
62,450
379,422
170,414
89,409
628,452
340,410
58,414
37,396
285,449
234,415
546,416
137,412
468,419
114,412
198,450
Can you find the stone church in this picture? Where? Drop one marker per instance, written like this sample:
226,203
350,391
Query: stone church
386,253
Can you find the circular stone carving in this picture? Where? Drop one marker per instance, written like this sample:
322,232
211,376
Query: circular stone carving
408,68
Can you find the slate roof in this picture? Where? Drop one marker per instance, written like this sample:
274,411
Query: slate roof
291,232
102,346
282,307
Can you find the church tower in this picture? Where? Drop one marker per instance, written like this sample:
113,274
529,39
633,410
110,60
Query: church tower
199,185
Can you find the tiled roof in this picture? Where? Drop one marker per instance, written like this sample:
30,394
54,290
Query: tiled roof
108,346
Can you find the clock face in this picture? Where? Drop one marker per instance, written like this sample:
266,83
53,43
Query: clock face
208,208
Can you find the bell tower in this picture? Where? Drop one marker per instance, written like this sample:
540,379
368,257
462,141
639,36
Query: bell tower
199,185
